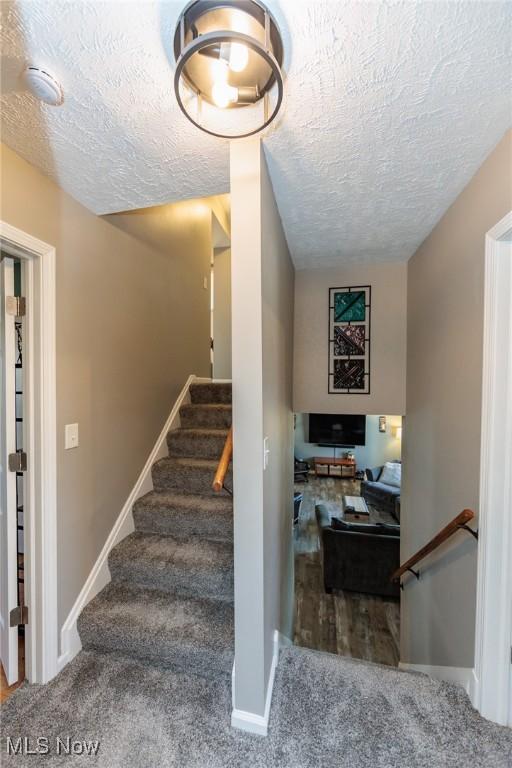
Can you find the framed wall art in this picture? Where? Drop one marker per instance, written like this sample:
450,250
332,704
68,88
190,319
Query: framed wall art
349,340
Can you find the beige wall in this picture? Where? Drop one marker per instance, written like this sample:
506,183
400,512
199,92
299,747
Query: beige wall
132,324
222,313
442,429
262,307
388,339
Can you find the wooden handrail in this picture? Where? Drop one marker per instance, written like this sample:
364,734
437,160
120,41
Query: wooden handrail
458,522
227,453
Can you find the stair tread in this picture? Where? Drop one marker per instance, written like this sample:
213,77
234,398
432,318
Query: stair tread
206,415
197,566
209,406
185,515
203,392
186,475
165,550
193,634
187,461
192,502
173,617
199,432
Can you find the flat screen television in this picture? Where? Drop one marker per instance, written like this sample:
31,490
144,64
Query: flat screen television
337,429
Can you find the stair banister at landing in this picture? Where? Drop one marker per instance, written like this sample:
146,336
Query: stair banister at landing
225,459
459,522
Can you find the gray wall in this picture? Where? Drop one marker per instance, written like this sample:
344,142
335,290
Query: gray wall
278,298
441,452
380,446
132,324
262,311
388,339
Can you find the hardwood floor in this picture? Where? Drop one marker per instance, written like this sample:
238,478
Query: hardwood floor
7,690
349,623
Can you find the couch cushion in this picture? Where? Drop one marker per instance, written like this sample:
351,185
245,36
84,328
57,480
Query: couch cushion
391,474
385,490
379,529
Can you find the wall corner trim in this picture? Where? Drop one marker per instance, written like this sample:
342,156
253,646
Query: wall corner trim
249,721
99,576
463,676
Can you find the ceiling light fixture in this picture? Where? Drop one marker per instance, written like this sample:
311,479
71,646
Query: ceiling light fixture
229,54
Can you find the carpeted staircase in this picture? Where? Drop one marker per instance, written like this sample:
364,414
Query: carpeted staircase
170,600
152,685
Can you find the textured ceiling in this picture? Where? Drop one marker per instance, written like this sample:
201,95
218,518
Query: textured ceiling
390,108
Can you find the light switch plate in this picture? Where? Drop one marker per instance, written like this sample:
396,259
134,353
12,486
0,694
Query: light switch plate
205,283
71,436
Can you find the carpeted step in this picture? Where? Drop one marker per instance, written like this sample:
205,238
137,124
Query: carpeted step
211,393
202,416
197,567
199,443
184,515
187,476
186,634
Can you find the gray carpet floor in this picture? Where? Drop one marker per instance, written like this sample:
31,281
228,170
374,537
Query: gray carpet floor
327,711
152,685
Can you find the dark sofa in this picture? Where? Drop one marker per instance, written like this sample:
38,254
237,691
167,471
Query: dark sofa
380,495
358,558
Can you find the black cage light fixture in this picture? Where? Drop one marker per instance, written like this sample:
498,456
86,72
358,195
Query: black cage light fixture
229,55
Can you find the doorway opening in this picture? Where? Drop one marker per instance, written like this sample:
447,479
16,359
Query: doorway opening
492,683
28,525
347,535
13,484
220,302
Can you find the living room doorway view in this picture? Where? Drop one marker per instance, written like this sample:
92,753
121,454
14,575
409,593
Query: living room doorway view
347,534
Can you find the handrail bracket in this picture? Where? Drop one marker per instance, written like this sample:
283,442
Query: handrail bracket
415,573
469,530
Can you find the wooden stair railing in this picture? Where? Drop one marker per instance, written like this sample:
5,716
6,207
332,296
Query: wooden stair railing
459,522
227,453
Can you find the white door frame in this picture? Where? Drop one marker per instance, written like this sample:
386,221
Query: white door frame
493,635
40,514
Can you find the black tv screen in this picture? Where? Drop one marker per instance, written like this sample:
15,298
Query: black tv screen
341,429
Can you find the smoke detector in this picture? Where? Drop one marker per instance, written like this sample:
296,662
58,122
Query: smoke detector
43,86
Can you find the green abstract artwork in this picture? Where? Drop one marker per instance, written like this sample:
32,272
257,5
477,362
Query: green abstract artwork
349,307
349,340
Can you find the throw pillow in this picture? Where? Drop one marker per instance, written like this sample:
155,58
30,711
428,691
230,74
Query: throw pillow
391,474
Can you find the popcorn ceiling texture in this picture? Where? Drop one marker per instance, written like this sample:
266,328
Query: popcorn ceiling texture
390,108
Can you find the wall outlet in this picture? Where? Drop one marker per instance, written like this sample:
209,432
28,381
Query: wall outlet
266,453
71,436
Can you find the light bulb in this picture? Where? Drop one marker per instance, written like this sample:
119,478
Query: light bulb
224,94
238,57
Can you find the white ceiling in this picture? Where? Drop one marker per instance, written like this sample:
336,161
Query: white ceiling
390,109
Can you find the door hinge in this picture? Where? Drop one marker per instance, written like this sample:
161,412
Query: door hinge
15,305
18,616
18,462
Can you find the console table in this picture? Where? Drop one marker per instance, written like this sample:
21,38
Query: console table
349,465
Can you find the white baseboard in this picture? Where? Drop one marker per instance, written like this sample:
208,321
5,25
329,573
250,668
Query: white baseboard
249,721
99,576
462,676
474,690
